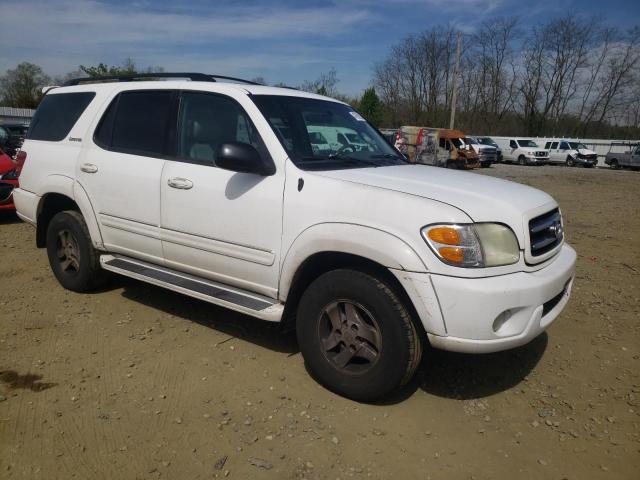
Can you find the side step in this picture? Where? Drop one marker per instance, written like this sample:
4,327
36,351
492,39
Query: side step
233,298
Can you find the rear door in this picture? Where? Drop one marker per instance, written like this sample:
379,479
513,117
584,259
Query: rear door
121,171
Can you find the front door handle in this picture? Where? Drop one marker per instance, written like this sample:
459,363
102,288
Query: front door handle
180,183
89,168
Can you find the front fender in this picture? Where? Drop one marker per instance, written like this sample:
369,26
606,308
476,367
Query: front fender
375,245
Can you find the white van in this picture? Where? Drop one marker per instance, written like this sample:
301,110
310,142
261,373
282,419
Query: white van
522,151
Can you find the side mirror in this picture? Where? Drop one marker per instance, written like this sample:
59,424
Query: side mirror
244,158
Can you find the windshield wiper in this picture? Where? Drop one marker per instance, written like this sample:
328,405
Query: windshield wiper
389,156
338,157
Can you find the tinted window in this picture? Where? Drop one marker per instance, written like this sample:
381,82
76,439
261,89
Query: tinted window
554,145
57,114
564,146
140,124
206,121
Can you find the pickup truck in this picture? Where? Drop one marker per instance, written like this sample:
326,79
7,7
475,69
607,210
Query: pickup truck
211,187
629,158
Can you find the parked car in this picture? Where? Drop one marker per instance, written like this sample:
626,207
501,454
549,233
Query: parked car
524,152
8,181
629,158
487,154
489,141
571,153
212,189
11,138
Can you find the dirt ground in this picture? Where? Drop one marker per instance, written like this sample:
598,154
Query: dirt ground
135,382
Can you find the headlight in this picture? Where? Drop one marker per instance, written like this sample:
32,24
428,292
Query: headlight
473,245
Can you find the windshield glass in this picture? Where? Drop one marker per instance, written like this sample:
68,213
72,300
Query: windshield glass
325,135
527,143
471,140
577,146
457,142
487,141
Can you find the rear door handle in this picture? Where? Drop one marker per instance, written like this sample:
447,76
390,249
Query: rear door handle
89,168
180,183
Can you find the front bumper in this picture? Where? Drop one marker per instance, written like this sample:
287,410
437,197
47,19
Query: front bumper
481,315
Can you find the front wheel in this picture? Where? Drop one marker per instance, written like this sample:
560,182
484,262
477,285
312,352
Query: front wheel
73,259
356,336
522,160
614,164
570,162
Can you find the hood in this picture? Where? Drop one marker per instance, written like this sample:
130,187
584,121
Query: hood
483,198
585,151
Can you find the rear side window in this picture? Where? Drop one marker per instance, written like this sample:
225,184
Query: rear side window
57,114
137,123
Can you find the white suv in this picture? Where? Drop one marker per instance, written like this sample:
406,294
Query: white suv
213,189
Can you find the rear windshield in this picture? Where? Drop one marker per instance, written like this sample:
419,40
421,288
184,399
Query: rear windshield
57,114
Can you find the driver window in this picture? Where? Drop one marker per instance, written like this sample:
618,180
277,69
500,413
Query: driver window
206,121
564,146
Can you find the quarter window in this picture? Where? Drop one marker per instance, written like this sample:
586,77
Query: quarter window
57,114
206,121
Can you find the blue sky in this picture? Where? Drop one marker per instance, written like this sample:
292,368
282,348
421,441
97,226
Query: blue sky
280,40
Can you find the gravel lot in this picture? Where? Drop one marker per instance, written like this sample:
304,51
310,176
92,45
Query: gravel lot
138,382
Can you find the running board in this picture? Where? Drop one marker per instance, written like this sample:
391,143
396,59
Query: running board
233,298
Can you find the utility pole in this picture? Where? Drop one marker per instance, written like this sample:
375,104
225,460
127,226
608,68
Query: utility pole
456,73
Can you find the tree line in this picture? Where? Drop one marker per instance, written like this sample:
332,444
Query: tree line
568,76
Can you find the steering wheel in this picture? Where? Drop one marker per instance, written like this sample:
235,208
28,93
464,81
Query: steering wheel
345,149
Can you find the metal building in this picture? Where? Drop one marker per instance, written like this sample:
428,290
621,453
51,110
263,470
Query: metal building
15,115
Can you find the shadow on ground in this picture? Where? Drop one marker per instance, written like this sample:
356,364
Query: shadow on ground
445,374
265,334
8,217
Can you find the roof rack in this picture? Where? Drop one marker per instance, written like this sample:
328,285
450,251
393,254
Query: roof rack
195,77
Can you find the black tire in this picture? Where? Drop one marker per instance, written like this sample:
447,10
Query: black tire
570,162
73,259
614,164
522,160
376,363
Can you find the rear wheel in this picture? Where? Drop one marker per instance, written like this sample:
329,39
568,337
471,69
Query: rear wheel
356,336
73,259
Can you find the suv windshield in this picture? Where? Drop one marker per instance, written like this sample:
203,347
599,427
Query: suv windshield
347,140
577,146
527,143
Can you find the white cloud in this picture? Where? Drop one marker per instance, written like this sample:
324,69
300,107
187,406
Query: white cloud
81,31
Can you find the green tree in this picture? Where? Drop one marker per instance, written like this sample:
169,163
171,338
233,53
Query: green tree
128,67
22,86
371,107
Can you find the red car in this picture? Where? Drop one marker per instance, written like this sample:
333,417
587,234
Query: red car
8,181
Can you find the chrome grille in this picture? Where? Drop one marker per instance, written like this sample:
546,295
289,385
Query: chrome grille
545,232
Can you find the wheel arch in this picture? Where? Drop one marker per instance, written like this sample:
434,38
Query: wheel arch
327,247
59,199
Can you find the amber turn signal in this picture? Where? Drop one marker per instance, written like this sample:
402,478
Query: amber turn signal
452,254
445,235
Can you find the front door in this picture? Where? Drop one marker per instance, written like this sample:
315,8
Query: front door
216,223
121,169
